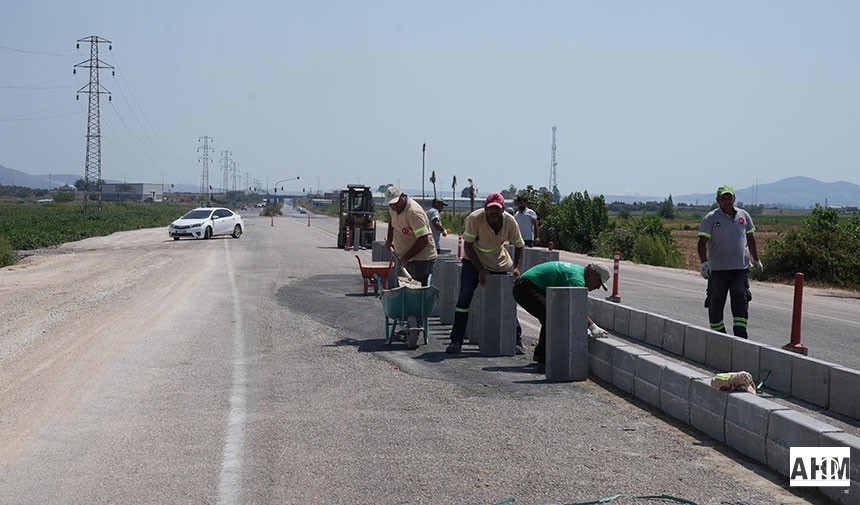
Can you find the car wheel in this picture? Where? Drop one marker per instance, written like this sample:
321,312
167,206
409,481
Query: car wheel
237,231
175,238
207,234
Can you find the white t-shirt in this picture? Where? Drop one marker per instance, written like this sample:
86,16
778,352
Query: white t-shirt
524,221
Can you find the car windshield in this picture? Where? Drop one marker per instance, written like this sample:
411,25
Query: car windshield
197,214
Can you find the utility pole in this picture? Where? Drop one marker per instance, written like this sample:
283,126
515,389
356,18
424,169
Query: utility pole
225,167
93,166
553,182
204,180
236,178
423,150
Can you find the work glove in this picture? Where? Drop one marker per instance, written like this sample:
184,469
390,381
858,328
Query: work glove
596,331
758,266
705,269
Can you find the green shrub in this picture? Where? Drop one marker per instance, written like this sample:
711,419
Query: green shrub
65,196
823,249
8,255
273,209
643,240
651,250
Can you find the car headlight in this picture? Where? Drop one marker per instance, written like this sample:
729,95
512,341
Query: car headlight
197,225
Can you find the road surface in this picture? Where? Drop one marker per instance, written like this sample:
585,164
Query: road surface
136,369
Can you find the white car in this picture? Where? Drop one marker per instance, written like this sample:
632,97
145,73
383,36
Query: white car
206,222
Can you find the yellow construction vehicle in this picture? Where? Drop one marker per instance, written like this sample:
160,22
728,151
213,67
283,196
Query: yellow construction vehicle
356,215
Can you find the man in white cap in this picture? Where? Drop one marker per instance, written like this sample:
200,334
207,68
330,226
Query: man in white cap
409,235
726,243
530,292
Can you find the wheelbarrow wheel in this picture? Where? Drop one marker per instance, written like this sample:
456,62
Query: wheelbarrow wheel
412,332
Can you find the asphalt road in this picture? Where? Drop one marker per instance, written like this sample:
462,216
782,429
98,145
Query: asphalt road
253,371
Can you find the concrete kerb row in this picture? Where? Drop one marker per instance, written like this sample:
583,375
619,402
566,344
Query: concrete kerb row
757,427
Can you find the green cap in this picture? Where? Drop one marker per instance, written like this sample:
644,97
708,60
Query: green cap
725,188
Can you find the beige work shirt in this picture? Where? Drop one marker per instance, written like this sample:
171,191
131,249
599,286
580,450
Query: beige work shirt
489,245
409,226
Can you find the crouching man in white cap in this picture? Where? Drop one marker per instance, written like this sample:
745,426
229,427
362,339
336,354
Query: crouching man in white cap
530,292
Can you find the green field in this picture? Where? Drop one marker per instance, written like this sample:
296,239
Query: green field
30,225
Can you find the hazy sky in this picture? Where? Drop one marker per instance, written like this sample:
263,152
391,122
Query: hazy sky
649,97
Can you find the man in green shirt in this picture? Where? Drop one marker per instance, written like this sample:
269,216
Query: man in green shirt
530,292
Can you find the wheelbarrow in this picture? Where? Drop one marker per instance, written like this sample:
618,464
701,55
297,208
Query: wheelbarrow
407,310
375,273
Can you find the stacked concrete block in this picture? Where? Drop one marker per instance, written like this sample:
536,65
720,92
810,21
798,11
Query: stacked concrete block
708,409
844,385
566,334
621,324
810,380
600,354
789,428
499,313
624,367
838,494
607,315
746,355
535,256
675,390
718,351
696,343
747,418
673,336
779,363
438,280
475,327
450,290
648,375
638,321
654,327
379,252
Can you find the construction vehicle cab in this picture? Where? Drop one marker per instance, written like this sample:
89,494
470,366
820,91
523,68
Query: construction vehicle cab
356,215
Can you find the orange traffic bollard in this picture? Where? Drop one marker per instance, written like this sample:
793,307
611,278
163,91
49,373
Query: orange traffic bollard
796,311
615,297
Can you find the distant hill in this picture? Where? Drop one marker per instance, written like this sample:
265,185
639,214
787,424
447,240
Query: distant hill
11,177
793,192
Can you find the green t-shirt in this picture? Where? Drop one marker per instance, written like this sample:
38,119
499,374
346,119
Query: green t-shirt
556,274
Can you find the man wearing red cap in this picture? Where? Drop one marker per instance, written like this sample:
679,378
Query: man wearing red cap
487,230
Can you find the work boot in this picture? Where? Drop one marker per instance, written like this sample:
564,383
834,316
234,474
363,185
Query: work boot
520,349
454,347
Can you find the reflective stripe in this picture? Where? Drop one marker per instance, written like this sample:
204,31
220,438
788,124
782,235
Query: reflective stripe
718,326
704,234
458,309
419,230
485,250
469,235
723,376
741,322
520,241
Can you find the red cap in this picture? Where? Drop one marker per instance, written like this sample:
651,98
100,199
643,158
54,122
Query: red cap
495,200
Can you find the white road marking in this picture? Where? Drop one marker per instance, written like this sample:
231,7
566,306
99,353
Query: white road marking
230,483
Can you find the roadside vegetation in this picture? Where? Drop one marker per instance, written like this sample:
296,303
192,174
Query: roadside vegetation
26,226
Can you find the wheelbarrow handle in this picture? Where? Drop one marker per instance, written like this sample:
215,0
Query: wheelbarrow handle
401,267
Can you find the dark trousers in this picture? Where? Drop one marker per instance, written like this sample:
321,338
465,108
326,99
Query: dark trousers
469,279
533,300
721,285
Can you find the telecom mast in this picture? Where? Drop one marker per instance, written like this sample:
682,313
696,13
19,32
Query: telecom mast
553,182
93,169
204,180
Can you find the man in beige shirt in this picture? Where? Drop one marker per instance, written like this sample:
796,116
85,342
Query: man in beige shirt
487,230
409,235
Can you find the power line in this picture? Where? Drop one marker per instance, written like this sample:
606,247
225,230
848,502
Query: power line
62,52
